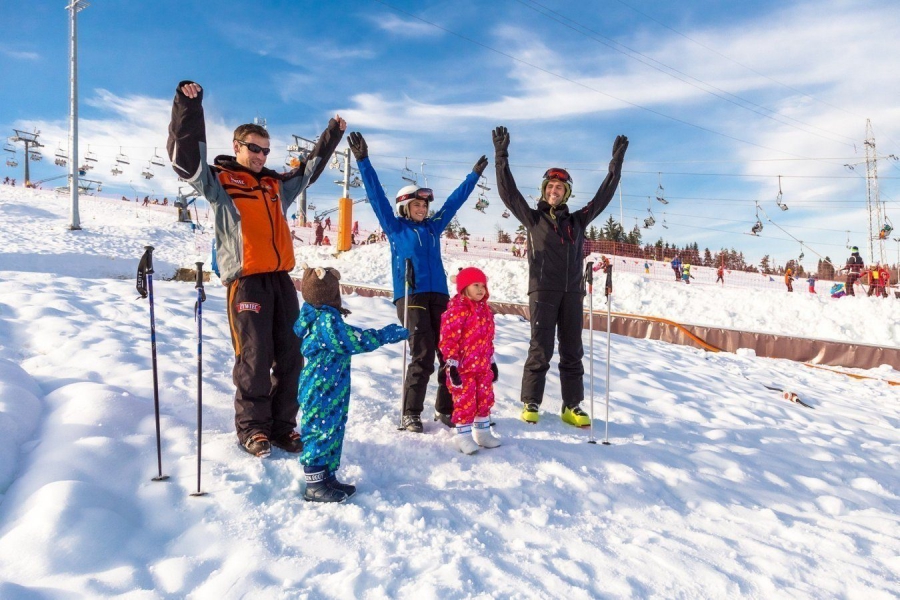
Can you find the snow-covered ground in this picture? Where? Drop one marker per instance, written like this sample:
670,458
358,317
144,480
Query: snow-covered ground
713,485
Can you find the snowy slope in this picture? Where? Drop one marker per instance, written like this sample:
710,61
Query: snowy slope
713,485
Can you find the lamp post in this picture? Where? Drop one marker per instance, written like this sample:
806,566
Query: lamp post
75,7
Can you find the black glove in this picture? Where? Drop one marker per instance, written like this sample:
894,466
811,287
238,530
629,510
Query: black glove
358,146
494,371
618,152
501,141
453,376
480,165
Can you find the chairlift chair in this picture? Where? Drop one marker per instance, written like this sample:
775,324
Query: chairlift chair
62,159
147,173
482,184
649,221
36,156
116,170
408,174
8,146
778,199
157,160
89,158
505,214
310,207
660,191
757,228
122,159
482,204
12,162
665,226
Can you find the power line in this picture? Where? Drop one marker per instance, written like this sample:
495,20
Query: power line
646,60
581,84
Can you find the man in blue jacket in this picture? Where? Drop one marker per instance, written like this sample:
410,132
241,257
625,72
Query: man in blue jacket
414,235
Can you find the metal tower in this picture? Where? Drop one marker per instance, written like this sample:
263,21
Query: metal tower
873,202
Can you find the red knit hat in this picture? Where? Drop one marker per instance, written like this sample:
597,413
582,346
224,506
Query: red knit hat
468,276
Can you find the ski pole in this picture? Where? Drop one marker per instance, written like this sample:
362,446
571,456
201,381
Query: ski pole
145,289
198,315
409,282
589,281
608,291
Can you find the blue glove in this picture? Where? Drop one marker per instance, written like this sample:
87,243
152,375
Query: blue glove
394,333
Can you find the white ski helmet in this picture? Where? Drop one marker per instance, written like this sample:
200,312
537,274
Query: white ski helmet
407,194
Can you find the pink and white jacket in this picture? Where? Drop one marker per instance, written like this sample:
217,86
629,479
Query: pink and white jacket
467,334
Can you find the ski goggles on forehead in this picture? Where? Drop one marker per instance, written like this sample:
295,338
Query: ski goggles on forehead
255,149
420,194
558,174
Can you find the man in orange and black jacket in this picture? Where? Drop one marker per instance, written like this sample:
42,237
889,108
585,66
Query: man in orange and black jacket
255,256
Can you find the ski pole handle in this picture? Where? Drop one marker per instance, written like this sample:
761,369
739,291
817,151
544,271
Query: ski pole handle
145,268
199,282
589,276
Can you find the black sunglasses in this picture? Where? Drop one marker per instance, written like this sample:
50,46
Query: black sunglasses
254,148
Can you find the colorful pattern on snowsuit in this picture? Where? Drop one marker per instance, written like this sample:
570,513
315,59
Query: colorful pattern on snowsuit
467,336
327,343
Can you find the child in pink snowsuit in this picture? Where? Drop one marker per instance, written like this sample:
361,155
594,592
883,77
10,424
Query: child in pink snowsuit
467,343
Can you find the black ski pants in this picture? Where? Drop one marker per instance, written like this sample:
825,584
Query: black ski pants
848,286
262,310
560,314
424,324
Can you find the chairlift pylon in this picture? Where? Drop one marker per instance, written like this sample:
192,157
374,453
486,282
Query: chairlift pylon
778,199
660,191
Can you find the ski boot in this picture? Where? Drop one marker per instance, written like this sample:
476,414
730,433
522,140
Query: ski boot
320,489
482,433
530,413
575,416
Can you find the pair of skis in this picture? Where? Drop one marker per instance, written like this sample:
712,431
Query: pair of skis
144,285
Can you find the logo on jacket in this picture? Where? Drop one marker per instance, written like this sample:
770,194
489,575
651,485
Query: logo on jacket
245,306
236,180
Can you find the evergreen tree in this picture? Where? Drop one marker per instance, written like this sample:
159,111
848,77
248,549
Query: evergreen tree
764,265
634,237
707,258
612,230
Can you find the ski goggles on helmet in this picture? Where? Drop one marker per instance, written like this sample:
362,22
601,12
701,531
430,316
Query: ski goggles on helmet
420,194
254,148
558,174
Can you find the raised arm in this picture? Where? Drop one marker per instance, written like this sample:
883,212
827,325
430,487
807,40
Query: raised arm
308,172
384,212
608,188
506,185
455,201
187,139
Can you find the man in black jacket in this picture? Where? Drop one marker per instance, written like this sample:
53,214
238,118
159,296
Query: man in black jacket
555,282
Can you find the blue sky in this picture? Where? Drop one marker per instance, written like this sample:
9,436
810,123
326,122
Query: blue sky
720,98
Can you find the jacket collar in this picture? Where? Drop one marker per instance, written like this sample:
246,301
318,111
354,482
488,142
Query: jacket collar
224,161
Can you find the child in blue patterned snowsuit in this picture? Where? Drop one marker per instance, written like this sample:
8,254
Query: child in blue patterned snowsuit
327,343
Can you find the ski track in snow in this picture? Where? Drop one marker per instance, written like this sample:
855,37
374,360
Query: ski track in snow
713,486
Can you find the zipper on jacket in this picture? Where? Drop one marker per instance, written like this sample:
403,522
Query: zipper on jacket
271,224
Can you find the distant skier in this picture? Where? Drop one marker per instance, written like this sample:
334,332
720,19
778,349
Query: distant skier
854,268
837,290
720,274
467,343
789,279
811,281
676,266
320,232
323,395
686,273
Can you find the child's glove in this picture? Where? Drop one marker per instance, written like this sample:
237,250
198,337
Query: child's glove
453,376
494,371
394,333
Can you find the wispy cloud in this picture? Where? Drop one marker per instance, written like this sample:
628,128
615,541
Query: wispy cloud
19,54
404,27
